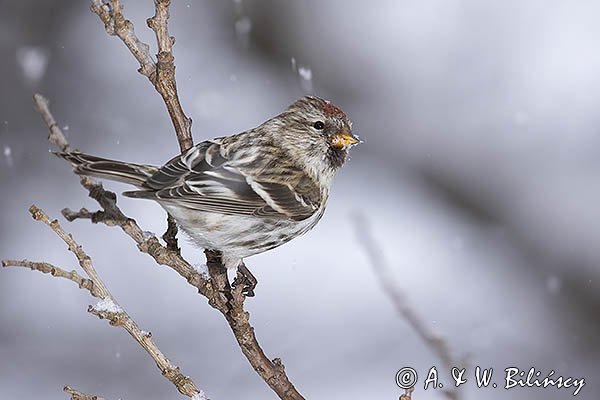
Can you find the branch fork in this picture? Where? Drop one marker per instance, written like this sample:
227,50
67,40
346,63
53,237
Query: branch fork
114,313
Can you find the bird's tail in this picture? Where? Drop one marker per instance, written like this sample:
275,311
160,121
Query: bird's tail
84,164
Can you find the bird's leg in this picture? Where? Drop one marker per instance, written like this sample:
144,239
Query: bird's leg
245,277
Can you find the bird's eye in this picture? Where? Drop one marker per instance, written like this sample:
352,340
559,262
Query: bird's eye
319,125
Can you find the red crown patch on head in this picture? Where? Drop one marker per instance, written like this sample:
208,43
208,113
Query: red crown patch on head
332,110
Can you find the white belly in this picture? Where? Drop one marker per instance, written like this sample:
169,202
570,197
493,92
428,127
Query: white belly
238,236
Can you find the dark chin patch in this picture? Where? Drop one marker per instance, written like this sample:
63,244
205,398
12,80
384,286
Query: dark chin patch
336,156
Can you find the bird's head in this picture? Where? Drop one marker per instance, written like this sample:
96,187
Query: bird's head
319,131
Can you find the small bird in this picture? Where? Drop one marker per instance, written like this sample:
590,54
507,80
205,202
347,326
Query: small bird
246,193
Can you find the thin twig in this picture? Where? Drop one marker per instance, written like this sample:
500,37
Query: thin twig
435,342
116,25
108,308
56,136
160,74
77,395
165,74
57,272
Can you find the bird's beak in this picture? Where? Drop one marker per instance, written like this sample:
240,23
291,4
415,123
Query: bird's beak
344,139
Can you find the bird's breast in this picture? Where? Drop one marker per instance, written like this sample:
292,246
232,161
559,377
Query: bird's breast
239,235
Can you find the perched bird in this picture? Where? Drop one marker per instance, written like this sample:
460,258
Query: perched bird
246,193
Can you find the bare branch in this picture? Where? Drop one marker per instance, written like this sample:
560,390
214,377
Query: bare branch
84,213
108,308
55,271
436,343
162,73
77,395
231,303
165,74
56,136
116,25
84,260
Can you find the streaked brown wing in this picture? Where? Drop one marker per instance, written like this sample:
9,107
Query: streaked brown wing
205,179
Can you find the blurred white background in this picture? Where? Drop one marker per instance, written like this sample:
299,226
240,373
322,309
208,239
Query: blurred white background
480,176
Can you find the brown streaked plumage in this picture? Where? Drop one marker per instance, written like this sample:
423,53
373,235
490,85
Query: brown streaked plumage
246,193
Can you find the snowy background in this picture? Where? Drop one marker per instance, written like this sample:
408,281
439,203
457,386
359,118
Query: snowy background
480,177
